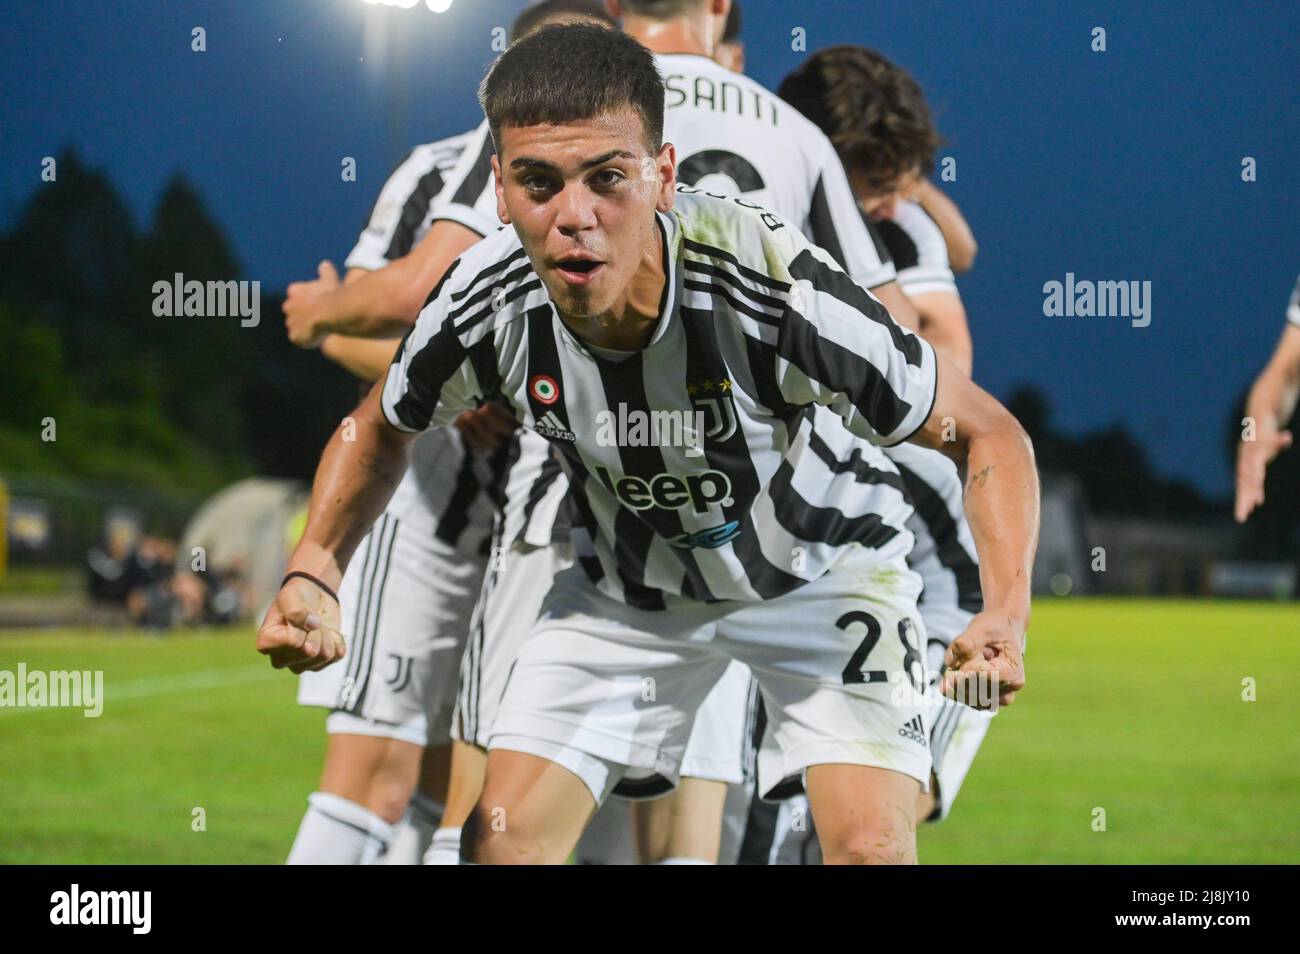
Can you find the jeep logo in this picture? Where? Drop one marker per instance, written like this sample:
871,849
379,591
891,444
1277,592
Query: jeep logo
670,492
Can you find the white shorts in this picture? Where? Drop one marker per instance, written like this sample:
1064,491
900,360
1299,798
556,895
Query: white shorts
406,602
956,732
721,746
611,692
516,582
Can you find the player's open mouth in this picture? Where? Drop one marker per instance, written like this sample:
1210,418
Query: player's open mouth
578,271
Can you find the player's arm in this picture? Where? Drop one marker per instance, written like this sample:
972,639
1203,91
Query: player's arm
836,346
366,358
361,465
943,324
374,304
957,234
1271,403
1001,500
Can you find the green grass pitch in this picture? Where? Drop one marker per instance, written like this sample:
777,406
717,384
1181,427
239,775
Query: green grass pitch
1133,707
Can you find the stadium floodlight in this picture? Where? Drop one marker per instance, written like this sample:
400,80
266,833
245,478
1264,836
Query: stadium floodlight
438,6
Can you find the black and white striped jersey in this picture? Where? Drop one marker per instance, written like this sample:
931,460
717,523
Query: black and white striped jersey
693,464
446,489
1293,309
407,204
918,249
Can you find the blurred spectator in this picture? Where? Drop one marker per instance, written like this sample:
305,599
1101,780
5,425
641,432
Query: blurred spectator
146,580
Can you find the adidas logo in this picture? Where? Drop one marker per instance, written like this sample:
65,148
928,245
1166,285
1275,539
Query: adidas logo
551,426
914,729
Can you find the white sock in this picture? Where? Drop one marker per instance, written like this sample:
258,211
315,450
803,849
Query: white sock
445,847
336,831
415,831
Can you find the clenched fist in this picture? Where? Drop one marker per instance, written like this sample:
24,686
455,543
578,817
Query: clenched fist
301,629
307,307
987,657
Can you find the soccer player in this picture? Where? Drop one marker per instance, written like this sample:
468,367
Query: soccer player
1271,403
733,137
876,115
409,598
615,293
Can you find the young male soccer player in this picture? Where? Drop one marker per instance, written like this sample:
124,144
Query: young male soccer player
409,596
750,549
1271,403
733,136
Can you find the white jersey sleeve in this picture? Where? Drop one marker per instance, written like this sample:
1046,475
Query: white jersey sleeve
470,194
431,379
401,215
1293,309
877,376
920,254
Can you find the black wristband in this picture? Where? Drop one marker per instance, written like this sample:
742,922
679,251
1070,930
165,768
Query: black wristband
308,576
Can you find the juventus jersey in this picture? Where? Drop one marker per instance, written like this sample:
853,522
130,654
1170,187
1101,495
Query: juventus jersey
733,137
405,209
920,253
446,488
693,465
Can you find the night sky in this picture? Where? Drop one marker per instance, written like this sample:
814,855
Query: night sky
1122,165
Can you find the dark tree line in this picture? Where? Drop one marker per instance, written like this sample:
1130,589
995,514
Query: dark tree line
183,404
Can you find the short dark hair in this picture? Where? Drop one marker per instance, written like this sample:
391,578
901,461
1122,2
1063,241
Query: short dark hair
660,9
731,33
871,110
539,14
565,73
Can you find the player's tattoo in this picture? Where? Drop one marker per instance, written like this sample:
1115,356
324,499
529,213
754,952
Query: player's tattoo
980,479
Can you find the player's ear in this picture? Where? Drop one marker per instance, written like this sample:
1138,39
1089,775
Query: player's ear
502,213
666,163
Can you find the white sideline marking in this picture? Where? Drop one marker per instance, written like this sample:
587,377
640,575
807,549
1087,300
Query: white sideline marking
161,685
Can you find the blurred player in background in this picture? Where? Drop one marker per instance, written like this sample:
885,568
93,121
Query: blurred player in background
875,114
730,50
1271,403
407,602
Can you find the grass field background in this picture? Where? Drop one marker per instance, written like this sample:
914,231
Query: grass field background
1134,707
